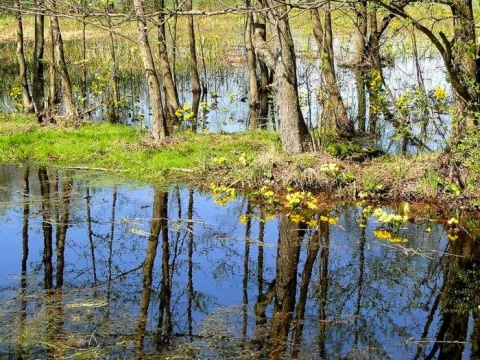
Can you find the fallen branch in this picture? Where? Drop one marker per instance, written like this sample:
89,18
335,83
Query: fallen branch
93,168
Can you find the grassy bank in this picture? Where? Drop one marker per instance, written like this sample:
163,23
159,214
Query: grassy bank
250,160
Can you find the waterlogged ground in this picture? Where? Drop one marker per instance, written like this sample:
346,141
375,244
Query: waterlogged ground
121,271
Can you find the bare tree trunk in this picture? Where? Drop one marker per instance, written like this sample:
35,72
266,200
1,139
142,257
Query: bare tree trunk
294,134
67,91
159,129
115,99
52,81
362,28
196,88
22,67
335,108
38,94
252,73
171,96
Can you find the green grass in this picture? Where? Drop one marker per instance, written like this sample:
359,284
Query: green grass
121,148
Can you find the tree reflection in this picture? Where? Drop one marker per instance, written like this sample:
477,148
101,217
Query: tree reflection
47,227
158,224
459,297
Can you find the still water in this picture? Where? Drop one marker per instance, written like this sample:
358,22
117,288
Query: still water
91,271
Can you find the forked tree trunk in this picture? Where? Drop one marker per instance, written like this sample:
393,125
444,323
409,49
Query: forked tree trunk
159,128
294,134
22,67
335,109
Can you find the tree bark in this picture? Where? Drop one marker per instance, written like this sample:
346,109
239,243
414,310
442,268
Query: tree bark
67,91
159,129
335,108
196,87
38,93
294,134
171,96
252,73
22,67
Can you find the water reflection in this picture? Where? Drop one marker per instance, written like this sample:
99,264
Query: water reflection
139,272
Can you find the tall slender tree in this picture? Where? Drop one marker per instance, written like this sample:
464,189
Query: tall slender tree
169,87
159,128
61,66
22,66
38,92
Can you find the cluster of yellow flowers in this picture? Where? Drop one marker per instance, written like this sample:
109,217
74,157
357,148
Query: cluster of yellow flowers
330,220
440,93
185,112
220,160
222,194
245,217
385,217
331,168
387,235
295,199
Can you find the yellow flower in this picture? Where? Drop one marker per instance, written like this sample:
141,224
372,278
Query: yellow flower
312,223
452,237
296,218
243,218
452,221
333,221
440,93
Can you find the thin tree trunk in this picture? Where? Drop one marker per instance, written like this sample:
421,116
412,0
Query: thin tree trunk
252,73
159,129
22,67
171,97
115,99
196,88
38,95
52,81
67,91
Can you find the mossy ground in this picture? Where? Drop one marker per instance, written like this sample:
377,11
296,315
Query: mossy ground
247,160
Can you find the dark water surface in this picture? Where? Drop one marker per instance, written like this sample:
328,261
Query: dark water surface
123,271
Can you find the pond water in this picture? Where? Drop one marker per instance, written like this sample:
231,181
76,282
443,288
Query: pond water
123,271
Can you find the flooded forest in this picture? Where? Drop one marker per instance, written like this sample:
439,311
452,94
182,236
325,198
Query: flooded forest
327,264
